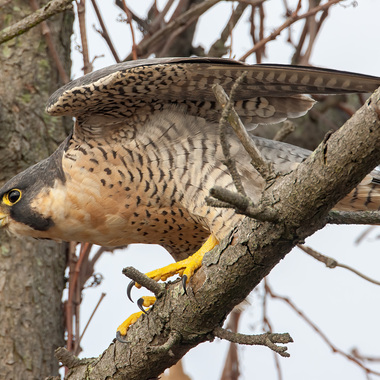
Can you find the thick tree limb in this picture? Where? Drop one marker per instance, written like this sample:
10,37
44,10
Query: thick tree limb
302,201
42,14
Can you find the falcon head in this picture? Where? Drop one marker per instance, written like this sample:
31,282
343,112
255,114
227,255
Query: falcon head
21,209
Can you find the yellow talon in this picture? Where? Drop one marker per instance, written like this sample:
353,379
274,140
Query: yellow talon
122,329
147,301
185,267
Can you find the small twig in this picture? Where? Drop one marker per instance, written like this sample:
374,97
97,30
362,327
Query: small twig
163,52
218,48
129,21
143,280
289,21
229,162
357,217
50,9
49,41
74,283
267,325
81,9
361,237
144,26
174,338
266,339
231,364
192,14
91,316
68,359
319,332
355,352
332,263
286,129
242,205
104,32
264,168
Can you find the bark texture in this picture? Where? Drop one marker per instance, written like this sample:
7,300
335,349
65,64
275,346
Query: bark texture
31,272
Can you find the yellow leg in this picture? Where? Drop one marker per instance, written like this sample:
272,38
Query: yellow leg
148,301
185,267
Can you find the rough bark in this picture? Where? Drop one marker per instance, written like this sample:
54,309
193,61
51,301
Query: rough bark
31,272
301,200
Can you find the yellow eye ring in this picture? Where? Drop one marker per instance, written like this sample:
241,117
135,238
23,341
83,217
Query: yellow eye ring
12,197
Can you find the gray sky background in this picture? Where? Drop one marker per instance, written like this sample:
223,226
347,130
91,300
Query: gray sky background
345,307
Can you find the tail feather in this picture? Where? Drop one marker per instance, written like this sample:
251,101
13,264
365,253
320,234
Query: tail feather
365,197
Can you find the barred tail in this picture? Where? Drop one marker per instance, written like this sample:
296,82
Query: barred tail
365,197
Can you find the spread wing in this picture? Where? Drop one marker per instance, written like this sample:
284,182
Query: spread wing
269,94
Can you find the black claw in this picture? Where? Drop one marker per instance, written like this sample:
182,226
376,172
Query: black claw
119,338
129,289
184,280
140,302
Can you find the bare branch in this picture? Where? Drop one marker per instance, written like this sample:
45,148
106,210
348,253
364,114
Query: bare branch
320,333
104,32
332,263
266,339
218,48
50,9
81,8
129,21
291,20
242,204
258,161
229,162
351,217
144,280
68,359
90,319
192,14
287,128
52,50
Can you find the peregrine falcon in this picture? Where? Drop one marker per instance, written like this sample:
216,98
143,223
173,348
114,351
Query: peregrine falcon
144,153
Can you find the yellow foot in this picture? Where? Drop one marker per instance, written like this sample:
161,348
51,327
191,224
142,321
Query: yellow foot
185,267
146,301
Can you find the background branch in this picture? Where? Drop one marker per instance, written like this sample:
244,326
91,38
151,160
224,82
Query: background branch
42,14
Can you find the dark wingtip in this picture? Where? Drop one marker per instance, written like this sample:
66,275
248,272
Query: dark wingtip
129,289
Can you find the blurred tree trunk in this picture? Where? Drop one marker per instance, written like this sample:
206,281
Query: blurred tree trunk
31,272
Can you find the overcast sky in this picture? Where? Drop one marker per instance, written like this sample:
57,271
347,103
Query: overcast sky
345,307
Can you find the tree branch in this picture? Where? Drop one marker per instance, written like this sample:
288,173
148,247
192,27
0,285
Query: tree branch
50,9
289,21
260,164
266,339
332,263
192,14
353,217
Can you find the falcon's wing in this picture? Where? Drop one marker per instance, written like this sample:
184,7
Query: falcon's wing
269,94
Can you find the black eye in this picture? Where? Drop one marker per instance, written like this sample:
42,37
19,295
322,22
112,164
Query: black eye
13,196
